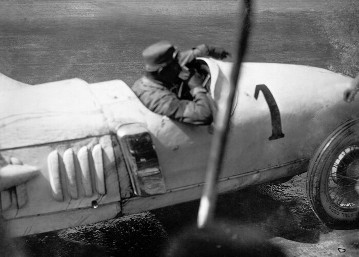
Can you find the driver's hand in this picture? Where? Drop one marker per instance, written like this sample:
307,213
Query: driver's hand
184,74
349,95
219,53
195,80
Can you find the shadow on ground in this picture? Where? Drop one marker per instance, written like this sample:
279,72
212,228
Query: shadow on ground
278,210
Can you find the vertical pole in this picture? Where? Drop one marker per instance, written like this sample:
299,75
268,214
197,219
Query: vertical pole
209,196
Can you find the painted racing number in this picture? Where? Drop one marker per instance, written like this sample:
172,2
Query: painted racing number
274,111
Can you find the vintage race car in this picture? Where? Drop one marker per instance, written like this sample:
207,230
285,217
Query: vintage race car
74,153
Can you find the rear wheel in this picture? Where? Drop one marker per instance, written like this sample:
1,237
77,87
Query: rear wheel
333,178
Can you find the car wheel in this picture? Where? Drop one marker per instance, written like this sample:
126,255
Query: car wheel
333,177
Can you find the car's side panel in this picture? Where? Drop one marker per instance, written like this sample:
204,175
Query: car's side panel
94,181
182,151
59,220
194,191
310,105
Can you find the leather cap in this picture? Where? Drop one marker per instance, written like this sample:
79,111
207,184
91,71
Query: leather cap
158,55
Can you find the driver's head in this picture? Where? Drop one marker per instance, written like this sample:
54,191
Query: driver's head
161,59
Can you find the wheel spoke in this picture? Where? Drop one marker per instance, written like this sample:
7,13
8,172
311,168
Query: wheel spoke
334,175
346,177
340,184
338,195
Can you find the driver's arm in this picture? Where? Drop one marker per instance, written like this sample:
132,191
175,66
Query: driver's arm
164,102
203,50
197,112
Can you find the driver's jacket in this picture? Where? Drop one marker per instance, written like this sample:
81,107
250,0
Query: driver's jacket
158,98
195,107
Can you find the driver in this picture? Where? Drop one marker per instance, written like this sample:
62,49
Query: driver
173,86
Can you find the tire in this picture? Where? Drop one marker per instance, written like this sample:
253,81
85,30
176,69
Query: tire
332,178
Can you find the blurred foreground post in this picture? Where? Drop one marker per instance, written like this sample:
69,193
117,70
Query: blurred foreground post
209,196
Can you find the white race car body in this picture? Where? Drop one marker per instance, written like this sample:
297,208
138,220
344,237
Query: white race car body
79,136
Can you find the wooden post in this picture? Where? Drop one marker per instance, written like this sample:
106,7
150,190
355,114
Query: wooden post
209,197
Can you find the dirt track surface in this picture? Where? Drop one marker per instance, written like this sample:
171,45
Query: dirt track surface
96,41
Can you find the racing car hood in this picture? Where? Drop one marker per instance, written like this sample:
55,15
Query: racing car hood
304,84
303,104
297,89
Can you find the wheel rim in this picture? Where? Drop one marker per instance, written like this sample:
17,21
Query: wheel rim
343,185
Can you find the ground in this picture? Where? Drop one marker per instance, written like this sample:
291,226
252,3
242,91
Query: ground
44,41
